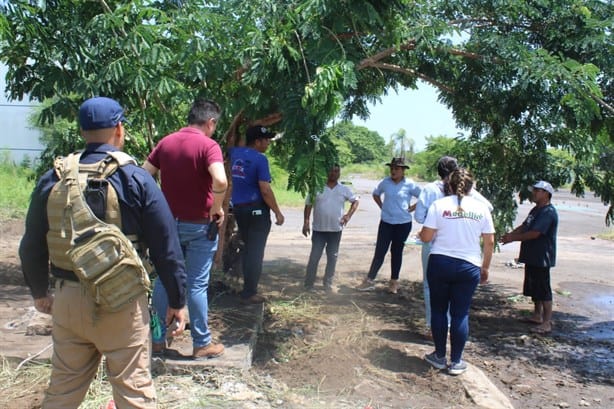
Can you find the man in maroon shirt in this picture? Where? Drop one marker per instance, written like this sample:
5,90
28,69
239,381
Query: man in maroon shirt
193,179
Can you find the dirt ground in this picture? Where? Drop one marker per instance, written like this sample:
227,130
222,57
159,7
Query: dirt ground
364,350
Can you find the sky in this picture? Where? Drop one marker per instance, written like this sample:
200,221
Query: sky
416,111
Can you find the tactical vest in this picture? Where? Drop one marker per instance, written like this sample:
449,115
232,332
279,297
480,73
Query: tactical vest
103,258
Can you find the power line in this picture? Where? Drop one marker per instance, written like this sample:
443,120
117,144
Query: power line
22,149
18,105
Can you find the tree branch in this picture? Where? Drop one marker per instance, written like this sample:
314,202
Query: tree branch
232,136
604,104
300,46
268,120
336,39
409,71
480,20
466,54
370,61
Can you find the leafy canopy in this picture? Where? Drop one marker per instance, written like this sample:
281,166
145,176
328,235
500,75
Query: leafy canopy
521,77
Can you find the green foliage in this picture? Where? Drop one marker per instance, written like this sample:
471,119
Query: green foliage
363,144
310,168
522,77
425,162
285,197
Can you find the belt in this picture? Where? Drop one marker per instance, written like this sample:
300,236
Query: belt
249,204
194,221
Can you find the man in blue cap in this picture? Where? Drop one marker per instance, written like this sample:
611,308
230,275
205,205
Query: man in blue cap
82,330
537,235
253,201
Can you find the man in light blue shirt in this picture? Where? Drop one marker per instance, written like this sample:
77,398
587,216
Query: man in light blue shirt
395,223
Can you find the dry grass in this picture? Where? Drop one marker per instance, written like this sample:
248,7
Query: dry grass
23,388
309,329
21,383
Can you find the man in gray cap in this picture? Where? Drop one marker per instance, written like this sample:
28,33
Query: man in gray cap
537,235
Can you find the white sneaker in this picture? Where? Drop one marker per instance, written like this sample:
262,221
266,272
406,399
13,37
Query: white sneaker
457,368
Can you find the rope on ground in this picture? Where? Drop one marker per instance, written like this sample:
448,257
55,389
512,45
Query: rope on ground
25,361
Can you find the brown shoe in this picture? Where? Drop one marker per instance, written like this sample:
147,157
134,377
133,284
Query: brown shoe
212,350
254,299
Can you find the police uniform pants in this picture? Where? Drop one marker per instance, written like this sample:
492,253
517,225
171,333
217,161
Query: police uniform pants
81,335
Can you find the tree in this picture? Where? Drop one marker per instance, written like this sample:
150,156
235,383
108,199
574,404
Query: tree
364,145
521,76
425,162
402,145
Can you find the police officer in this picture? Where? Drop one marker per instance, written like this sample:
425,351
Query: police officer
83,333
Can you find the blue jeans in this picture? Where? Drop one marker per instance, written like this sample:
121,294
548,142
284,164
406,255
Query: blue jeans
391,236
198,252
452,282
254,226
319,240
426,250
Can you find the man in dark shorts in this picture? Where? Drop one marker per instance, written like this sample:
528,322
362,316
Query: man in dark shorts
537,235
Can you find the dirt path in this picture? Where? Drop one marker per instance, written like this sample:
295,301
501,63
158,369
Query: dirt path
370,345
364,350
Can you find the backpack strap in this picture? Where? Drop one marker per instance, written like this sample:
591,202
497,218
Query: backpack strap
83,220
122,158
81,216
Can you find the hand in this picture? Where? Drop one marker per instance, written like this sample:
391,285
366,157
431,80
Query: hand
506,238
177,315
306,229
483,275
344,220
217,215
279,219
44,304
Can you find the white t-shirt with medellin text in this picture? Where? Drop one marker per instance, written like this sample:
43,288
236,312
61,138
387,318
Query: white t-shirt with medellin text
458,232
329,207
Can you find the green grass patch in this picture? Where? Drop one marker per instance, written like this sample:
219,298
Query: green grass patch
374,171
16,185
607,235
285,197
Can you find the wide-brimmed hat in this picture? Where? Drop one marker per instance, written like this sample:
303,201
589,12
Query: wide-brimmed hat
400,162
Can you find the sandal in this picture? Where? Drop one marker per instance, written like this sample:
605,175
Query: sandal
541,330
529,321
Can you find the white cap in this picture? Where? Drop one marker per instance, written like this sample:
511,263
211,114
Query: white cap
542,184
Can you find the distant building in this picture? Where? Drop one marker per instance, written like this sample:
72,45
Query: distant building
17,137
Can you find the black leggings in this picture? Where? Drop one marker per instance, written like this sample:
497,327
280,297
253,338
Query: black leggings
391,236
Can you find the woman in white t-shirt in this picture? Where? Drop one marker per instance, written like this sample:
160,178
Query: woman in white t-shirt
455,224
